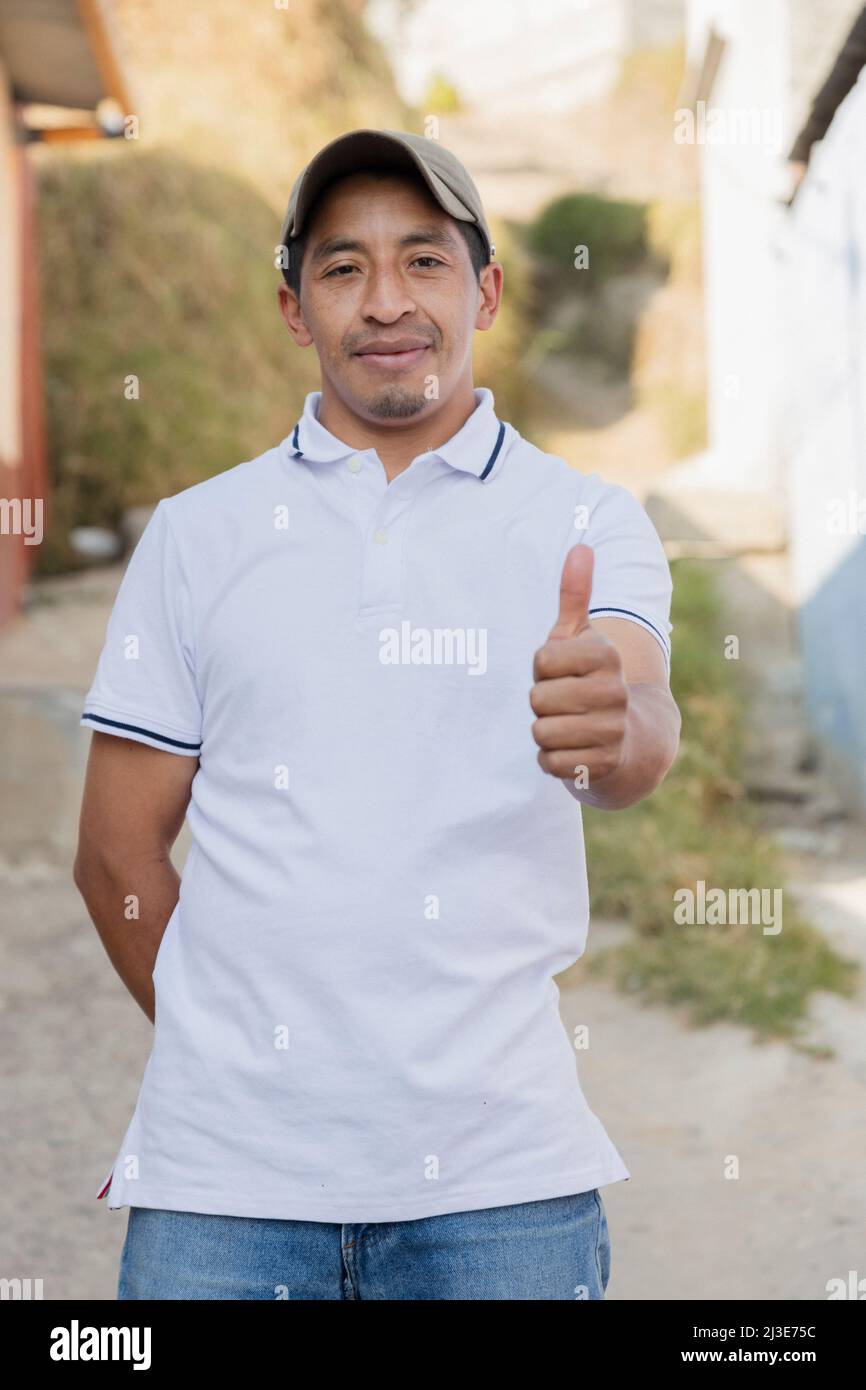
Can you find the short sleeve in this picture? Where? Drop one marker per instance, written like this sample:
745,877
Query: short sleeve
145,684
631,575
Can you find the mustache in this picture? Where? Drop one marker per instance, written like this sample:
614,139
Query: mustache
353,345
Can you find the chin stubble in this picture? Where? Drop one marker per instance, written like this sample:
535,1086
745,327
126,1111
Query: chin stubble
396,403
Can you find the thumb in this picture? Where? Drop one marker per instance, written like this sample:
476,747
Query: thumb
574,592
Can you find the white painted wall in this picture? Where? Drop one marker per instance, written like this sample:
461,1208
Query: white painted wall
743,179
822,426
786,339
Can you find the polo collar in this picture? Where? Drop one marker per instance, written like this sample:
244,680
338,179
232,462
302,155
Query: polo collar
474,448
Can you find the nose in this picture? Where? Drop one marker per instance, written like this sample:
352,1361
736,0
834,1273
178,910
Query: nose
386,296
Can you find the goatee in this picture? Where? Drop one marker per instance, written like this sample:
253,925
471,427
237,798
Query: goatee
397,403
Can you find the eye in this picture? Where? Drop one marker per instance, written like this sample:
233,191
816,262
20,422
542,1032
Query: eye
336,270
432,259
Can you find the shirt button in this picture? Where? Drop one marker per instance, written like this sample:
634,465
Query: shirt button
355,464
380,537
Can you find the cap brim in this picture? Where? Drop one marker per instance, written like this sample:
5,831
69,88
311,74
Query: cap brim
359,149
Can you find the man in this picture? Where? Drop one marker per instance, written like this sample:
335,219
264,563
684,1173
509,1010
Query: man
329,659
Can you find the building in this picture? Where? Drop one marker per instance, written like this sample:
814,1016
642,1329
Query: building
785,281
59,81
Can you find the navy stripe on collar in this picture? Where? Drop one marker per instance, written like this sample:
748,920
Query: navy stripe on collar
298,453
497,446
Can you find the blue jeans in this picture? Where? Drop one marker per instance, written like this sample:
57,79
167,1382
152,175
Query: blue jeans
557,1248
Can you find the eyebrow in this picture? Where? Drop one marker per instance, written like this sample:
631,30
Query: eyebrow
435,236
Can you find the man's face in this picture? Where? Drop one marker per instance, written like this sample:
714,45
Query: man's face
388,296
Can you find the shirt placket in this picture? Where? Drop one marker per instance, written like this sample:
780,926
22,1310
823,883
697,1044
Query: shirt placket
383,511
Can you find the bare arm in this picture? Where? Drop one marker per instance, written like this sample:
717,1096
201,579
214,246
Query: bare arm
604,706
135,799
652,723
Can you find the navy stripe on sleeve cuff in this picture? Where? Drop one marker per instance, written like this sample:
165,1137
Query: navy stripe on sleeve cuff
639,617
136,729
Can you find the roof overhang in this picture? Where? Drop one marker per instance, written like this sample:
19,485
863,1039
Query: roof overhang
58,53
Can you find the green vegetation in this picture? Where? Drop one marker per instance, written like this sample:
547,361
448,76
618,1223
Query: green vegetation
699,825
158,270
635,309
615,233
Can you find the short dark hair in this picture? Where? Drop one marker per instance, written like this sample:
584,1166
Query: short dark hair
297,245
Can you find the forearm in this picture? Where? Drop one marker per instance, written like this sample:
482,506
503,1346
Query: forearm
130,903
650,743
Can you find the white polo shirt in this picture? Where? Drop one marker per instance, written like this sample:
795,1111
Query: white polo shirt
356,1019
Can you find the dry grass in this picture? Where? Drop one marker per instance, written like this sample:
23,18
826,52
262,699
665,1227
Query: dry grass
161,271
251,88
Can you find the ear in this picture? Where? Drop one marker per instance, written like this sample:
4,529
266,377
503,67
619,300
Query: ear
293,318
490,288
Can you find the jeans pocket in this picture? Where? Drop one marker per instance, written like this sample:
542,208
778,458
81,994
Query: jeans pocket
602,1245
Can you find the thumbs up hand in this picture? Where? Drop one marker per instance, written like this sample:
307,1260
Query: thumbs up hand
580,695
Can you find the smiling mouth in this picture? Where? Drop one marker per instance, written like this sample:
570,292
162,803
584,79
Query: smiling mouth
395,358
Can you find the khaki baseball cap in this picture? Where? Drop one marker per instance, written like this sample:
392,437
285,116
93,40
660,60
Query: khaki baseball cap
444,175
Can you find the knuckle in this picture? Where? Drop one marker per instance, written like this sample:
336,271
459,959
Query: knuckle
609,759
544,662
